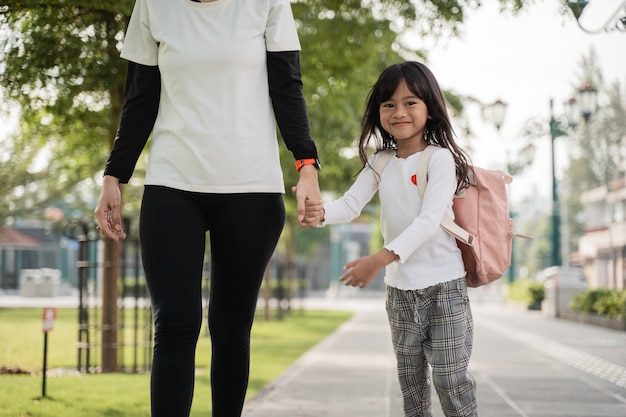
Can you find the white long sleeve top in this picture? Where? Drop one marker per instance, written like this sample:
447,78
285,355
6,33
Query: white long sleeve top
410,227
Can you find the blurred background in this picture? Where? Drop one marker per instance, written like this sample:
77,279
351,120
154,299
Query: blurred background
537,88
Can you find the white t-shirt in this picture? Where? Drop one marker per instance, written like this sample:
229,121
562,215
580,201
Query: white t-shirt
215,129
411,227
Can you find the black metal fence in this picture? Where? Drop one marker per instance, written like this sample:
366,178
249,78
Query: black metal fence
133,328
134,325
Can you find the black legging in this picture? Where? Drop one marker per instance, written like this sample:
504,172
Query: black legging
244,230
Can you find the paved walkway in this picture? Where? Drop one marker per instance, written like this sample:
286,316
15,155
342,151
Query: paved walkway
525,365
351,373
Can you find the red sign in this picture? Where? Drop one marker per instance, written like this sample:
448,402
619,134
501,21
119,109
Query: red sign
49,316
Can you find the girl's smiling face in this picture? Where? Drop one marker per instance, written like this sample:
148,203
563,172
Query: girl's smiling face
404,117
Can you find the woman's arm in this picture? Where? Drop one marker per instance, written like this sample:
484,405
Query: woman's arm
143,86
285,85
143,91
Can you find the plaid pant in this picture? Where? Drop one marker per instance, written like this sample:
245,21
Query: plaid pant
433,326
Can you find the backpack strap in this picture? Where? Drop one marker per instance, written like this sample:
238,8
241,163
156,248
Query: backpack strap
381,162
421,172
457,231
447,224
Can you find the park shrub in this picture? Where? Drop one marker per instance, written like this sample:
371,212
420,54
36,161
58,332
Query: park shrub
602,301
528,292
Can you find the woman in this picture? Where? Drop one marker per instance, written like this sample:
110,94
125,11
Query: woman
204,77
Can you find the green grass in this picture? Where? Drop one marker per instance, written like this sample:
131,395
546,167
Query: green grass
276,344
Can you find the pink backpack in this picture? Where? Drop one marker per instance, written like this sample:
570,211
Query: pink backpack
482,226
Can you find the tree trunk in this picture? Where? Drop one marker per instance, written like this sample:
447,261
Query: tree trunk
111,264
109,305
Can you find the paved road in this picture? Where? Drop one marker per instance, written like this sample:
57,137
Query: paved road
525,365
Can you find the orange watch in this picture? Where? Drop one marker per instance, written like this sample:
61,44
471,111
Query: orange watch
309,161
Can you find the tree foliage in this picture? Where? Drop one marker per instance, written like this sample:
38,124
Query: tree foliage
59,65
598,154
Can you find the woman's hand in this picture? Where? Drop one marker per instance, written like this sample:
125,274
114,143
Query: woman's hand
313,212
108,210
308,190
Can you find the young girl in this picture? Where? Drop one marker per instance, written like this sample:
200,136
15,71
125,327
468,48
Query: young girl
427,302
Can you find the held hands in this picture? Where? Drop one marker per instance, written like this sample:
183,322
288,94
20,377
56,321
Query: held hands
308,197
362,271
313,212
108,209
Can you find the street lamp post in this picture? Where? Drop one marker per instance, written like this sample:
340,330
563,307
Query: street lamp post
555,132
561,127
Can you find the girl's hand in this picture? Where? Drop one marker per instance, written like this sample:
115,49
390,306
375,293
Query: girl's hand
362,271
108,210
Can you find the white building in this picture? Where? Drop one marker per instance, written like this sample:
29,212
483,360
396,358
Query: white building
602,249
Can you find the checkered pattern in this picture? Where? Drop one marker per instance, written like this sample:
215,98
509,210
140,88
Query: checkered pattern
433,326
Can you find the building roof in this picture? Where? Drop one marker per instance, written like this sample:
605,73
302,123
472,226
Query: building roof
12,238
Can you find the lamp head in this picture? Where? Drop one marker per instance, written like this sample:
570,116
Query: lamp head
577,7
498,111
588,100
572,112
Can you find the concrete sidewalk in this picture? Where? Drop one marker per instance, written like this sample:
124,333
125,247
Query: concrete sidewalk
350,373
525,365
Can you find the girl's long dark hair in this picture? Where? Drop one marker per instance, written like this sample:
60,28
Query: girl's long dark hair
438,131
